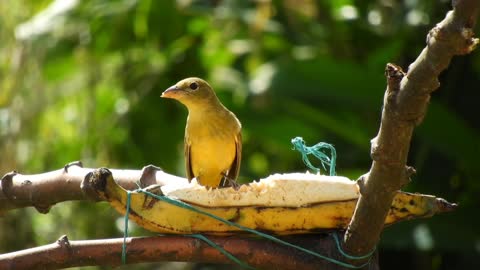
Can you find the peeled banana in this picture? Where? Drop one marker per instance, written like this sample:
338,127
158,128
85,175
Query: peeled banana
280,204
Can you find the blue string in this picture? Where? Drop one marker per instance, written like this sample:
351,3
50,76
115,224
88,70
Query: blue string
316,150
298,144
222,250
264,235
348,256
125,232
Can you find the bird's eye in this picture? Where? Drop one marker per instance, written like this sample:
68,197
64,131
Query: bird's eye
193,86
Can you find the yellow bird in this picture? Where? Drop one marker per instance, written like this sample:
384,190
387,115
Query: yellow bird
213,140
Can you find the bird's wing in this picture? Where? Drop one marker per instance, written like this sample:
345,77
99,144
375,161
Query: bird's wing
235,168
188,165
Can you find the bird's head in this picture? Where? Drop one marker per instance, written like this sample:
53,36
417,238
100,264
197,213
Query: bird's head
191,92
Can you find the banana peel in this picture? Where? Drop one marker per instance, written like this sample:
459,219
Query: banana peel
280,204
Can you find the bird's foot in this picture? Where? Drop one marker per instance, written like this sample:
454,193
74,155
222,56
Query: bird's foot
229,182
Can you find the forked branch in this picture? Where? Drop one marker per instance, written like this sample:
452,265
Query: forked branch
405,104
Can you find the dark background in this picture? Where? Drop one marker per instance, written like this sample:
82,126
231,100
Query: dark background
81,80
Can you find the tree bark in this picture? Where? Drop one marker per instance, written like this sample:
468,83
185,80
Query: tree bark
45,190
405,104
256,253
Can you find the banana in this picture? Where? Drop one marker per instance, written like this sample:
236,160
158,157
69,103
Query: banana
280,204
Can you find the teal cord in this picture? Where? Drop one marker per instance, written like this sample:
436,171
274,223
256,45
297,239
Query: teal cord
226,253
298,144
125,231
222,250
264,235
316,150
348,256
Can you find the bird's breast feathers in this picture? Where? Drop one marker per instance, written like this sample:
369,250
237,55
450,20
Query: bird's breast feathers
212,142
220,126
212,151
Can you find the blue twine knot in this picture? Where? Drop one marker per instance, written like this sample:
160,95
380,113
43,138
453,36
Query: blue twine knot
316,150
299,145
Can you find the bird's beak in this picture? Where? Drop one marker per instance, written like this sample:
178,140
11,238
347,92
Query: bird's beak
170,92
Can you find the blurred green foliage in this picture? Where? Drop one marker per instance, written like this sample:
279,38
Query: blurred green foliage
81,80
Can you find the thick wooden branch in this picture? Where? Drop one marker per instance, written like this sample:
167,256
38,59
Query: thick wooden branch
105,252
44,190
74,183
258,253
405,104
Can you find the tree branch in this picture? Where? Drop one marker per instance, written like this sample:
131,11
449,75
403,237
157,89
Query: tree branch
257,253
405,104
44,190
73,183
107,252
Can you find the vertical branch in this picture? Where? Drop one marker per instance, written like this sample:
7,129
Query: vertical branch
405,104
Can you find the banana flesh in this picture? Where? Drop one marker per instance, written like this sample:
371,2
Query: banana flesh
271,205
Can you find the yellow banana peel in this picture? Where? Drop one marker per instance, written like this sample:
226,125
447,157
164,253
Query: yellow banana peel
280,204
